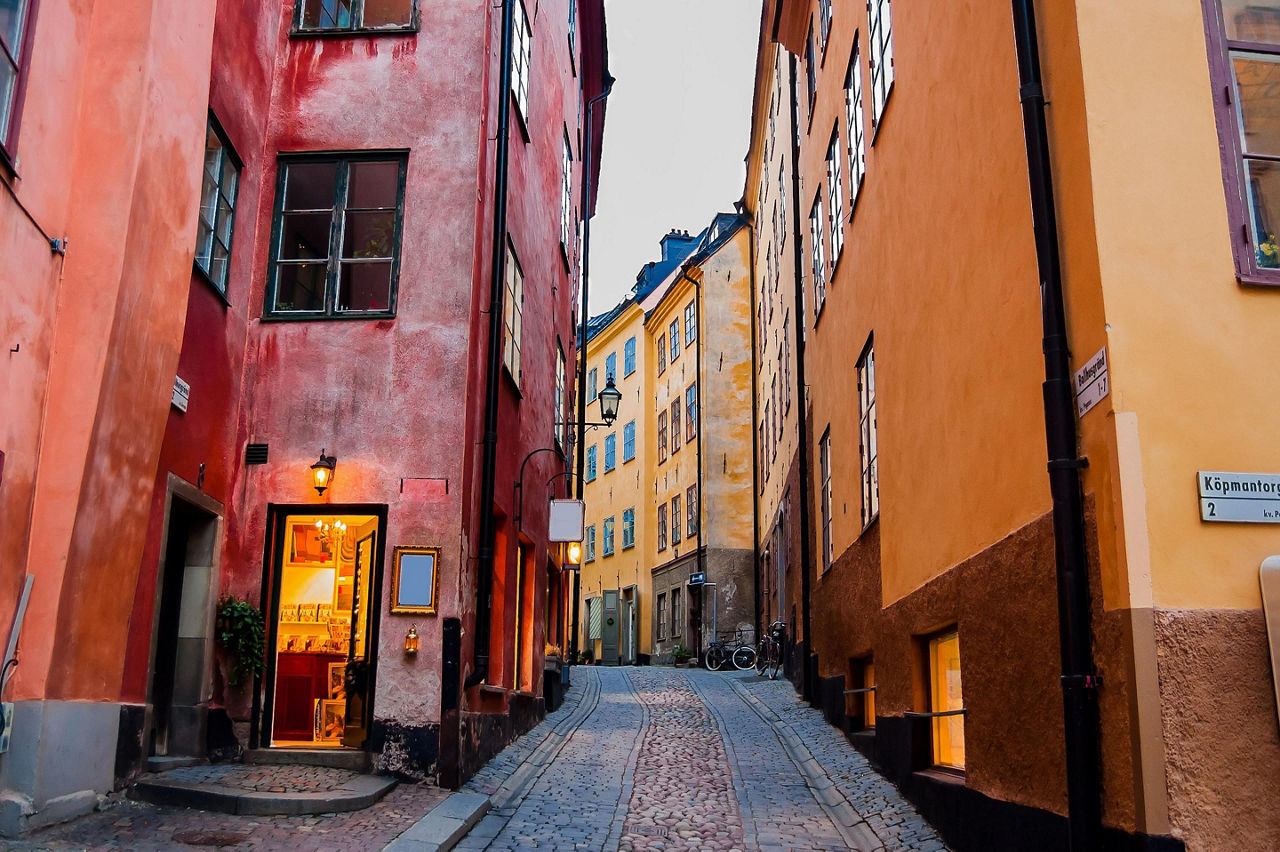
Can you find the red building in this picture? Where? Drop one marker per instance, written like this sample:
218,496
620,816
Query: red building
355,183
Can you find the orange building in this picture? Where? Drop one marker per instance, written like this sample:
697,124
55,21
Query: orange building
961,594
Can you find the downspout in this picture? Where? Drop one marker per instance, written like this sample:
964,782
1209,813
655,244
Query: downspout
1079,681
489,459
806,686
583,316
697,424
755,451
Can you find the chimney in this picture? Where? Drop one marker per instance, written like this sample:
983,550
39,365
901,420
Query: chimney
675,242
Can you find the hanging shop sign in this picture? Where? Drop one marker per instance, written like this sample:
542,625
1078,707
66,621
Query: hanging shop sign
1241,498
1092,383
568,520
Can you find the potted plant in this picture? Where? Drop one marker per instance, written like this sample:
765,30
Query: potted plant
585,656
240,634
681,655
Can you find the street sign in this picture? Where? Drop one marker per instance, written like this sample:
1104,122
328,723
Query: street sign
1241,498
181,394
697,578
1092,383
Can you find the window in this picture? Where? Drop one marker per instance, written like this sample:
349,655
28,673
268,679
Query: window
868,444
566,197
521,50
591,386
573,32
513,316
562,418
628,528
330,15
608,536
824,453
675,427
675,519
855,132
691,412
810,69
677,625
629,356
662,616
786,361
816,223
591,463
690,323
662,527
945,696
337,236
824,21
220,180
771,411
662,436
1245,43
610,452
611,367
881,46
869,697
674,333
629,441
662,354
14,26
860,705
591,541
691,511
835,197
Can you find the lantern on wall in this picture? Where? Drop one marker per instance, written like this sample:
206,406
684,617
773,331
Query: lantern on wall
610,398
411,641
573,553
322,472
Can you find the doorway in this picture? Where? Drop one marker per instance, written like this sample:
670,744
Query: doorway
323,626
182,635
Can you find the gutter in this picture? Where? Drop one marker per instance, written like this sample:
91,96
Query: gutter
806,522
755,415
1079,680
489,459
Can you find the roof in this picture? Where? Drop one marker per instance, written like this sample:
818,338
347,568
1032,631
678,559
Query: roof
677,246
723,226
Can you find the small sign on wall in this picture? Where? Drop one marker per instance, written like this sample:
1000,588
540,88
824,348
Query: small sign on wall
1241,498
181,394
1092,383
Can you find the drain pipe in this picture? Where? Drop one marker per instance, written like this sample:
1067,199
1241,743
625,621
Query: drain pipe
489,458
806,681
1079,681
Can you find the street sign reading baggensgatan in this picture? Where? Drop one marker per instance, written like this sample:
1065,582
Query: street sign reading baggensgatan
1242,498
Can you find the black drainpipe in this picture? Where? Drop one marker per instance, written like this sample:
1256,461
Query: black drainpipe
806,685
755,414
1079,681
489,461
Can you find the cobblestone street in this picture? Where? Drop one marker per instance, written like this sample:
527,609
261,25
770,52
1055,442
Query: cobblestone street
653,758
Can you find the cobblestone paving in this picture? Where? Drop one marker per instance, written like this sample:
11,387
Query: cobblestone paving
261,779
133,825
683,792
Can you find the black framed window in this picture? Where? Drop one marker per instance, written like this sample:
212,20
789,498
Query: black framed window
521,55
220,181
335,249
338,16
513,317
14,24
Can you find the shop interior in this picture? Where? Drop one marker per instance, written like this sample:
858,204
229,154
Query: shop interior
322,631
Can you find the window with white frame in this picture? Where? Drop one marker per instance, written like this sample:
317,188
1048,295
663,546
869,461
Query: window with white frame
675,519
824,469
662,435
592,383
691,412
628,528
611,367
817,255
629,441
673,331
690,323
810,69
676,623
513,316
867,430
566,196
608,537
676,443
855,129
880,41
824,20
629,356
573,33
662,526
610,452
521,53
591,541
562,416
835,197
662,616
691,511
591,463
662,354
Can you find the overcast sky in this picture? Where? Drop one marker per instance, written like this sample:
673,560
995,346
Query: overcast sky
676,128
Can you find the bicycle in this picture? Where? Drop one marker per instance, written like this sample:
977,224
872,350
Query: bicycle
740,653
769,656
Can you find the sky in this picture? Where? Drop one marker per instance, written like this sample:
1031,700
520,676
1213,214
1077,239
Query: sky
676,129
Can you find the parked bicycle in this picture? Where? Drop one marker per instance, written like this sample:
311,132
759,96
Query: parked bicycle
769,655
736,650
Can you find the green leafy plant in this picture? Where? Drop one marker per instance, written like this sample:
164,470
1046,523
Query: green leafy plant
681,654
241,632
1269,252
585,656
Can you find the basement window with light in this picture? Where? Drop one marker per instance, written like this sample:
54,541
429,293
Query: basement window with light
946,702
354,16
335,251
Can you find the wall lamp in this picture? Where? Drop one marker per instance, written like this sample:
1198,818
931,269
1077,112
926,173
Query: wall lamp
610,399
322,472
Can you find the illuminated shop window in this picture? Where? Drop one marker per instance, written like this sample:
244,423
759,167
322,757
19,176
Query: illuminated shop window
945,696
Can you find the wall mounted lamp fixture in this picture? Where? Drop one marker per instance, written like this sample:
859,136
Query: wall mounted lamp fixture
411,642
322,472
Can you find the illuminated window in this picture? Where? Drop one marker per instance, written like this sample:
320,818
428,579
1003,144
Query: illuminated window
945,696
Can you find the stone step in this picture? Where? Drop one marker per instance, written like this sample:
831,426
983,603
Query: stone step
338,758
160,763
244,790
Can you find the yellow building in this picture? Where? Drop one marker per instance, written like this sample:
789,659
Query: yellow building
968,580
698,515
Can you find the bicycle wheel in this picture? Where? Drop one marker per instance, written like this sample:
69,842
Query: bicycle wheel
762,656
715,658
744,657
775,661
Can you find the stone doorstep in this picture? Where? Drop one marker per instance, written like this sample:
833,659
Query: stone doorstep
355,760
444,825
356,794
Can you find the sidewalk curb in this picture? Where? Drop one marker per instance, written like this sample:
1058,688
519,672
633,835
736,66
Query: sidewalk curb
444,825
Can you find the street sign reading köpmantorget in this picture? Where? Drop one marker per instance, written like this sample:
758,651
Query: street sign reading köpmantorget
1242,498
